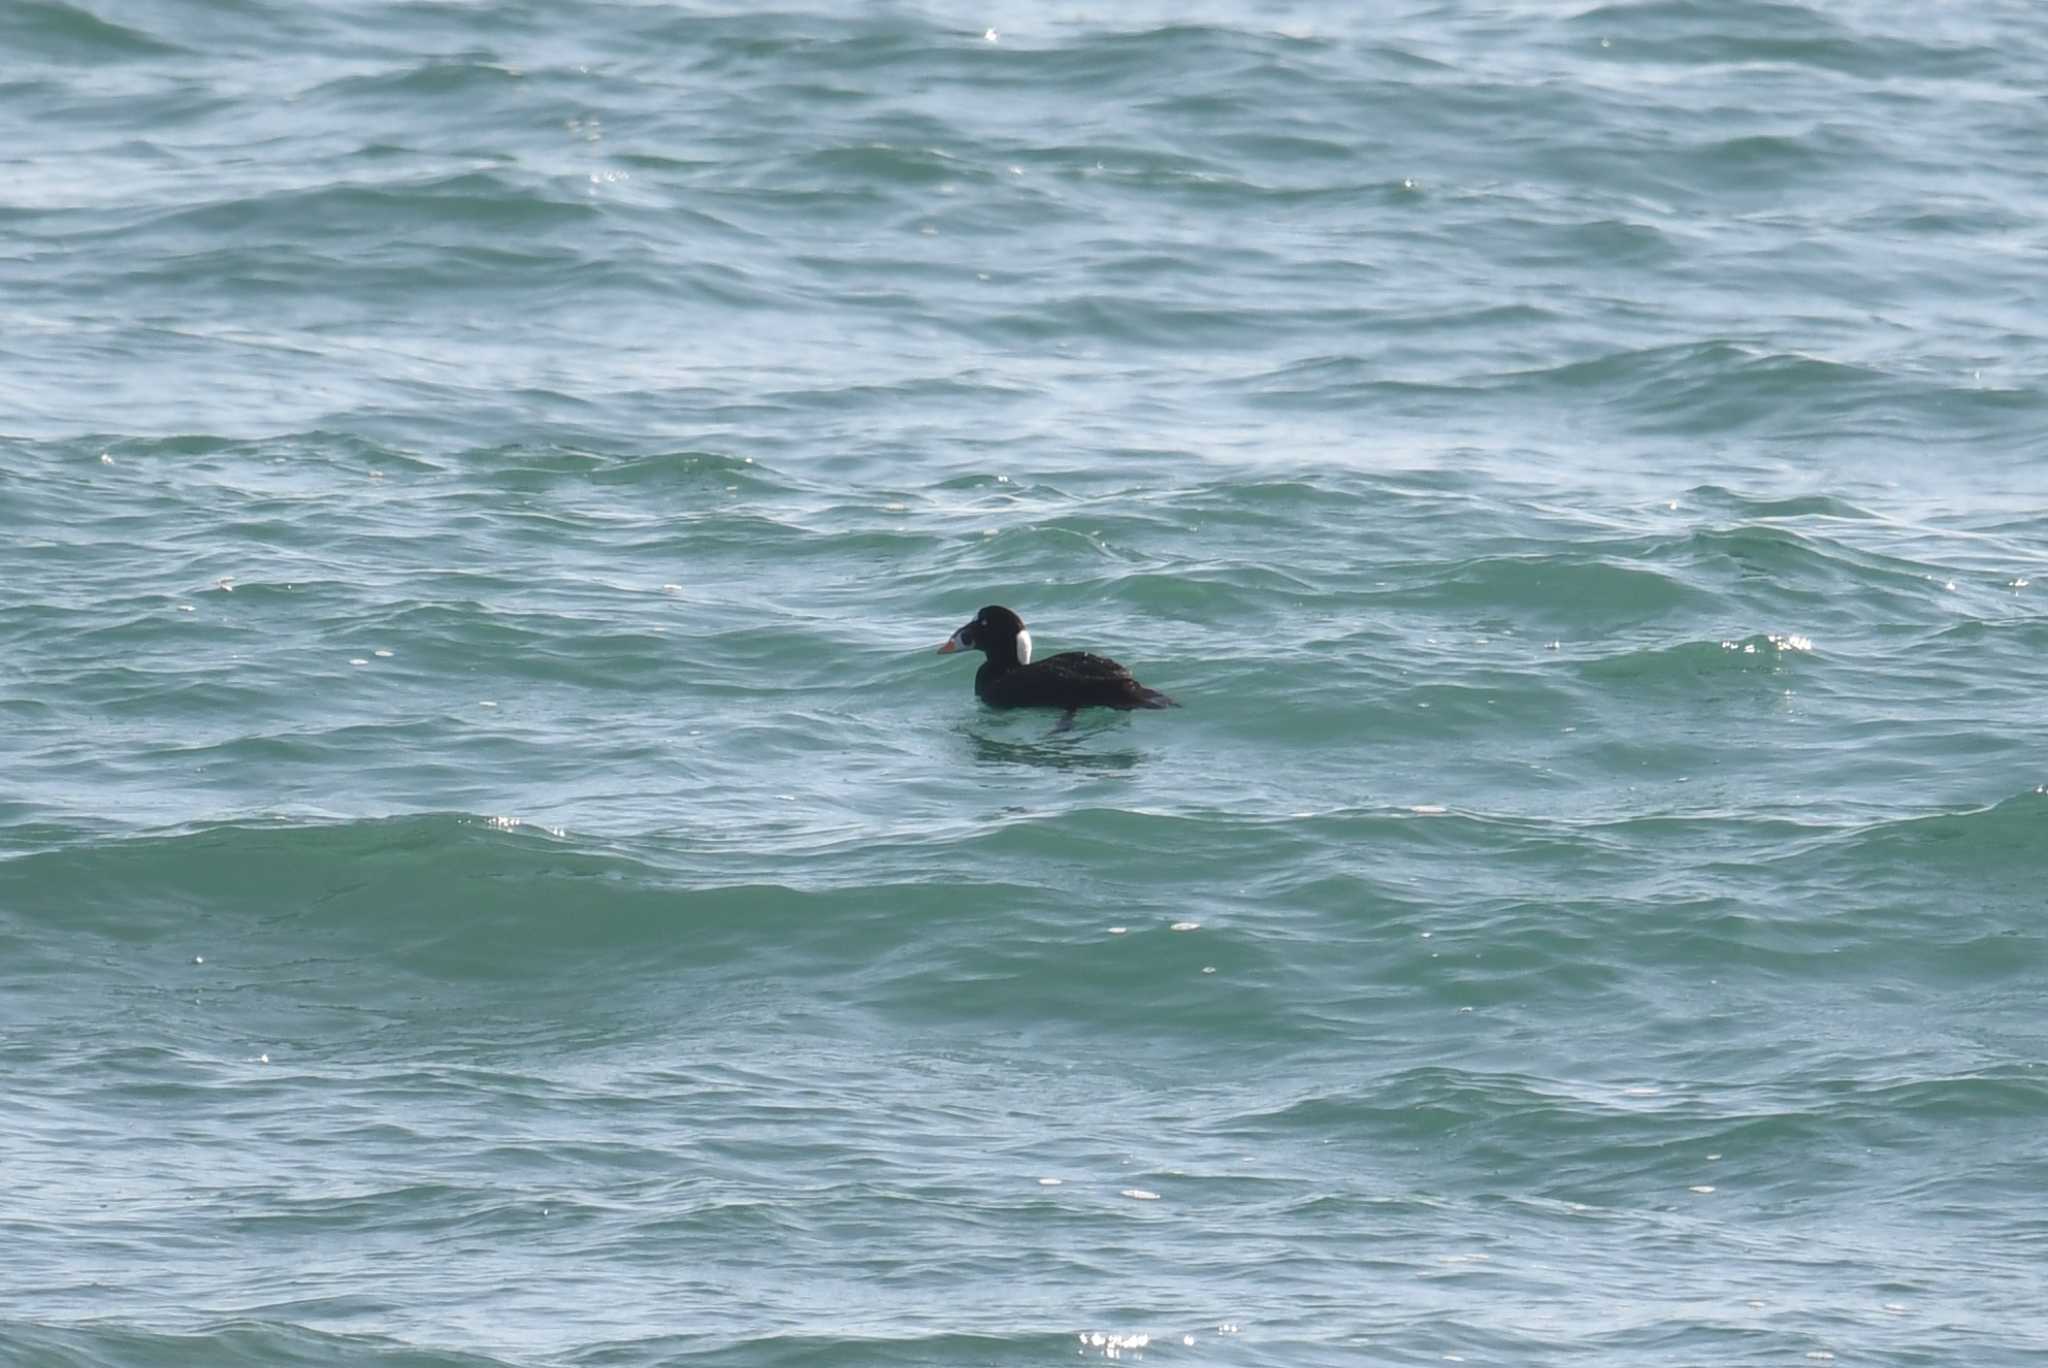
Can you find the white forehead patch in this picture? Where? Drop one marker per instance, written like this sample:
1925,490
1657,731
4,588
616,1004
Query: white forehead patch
1023,648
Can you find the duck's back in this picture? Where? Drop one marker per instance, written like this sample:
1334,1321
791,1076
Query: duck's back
1071,679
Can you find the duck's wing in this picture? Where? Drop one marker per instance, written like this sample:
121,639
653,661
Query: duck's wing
1073,679
1115,687
1085,665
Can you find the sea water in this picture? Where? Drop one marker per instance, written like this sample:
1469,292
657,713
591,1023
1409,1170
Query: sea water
493,873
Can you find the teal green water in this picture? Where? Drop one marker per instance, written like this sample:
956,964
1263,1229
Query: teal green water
492,872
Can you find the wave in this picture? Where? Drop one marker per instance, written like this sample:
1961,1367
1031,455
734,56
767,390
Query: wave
1724,386
338,216
1629,1132
1753,507
240,1343
933,1349
390,905
1750,33
1589,593
1689,661
546,469
2001,842
439,893
59,32
429,80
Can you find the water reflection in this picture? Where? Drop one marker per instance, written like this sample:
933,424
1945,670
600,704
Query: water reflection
1039,744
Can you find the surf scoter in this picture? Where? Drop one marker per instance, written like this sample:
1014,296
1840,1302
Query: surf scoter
1071,680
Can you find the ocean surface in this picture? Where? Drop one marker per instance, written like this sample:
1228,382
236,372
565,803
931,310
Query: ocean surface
493,874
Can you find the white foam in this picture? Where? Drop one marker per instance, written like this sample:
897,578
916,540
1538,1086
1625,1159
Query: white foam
1140,1195
357,660
1049,1182
1118,930
514,823
381,653
1115,1346
1429,809
1186,926
1702,1188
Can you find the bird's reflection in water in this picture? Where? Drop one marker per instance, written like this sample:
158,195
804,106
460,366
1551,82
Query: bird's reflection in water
1065,749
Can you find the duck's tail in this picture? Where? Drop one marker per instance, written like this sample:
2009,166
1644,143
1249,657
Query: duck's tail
1152,698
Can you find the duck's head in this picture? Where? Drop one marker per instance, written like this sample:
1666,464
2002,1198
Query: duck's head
996,631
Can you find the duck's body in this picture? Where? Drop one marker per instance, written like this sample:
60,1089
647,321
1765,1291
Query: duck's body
1070,680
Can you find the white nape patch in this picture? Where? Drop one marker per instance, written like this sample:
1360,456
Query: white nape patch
1023,648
